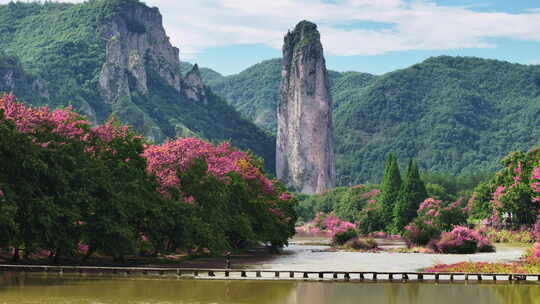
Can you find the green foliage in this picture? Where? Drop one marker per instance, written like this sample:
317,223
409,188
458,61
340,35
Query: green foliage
341,238
411,194
511,195
447,187
440,112
361,244
390,189
344,202
253,92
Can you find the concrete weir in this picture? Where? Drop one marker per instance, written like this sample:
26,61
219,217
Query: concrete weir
267,274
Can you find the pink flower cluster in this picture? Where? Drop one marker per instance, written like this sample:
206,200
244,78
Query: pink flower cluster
535,185
325,225
536,250
458,237
430,207
63,122
165,160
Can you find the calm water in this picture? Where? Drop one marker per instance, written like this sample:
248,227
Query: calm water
69,290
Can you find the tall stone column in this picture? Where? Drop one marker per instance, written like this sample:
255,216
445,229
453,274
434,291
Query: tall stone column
305,149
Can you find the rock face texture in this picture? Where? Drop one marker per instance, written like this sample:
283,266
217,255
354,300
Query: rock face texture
304,149
136,39
195,85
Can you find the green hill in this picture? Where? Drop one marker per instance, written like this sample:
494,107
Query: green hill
112,57
454,115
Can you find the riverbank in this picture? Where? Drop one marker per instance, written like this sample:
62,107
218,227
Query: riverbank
238,260
308,254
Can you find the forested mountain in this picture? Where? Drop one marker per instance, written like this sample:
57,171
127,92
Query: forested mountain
113,57
452,114
254,92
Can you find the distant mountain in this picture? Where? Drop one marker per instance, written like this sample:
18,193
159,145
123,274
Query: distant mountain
113,57
453,114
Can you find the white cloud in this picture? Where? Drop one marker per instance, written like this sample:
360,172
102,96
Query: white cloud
195,25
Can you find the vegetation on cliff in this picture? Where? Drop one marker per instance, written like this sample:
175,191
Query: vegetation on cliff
61,45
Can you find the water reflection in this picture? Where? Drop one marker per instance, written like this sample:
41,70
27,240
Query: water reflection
15,288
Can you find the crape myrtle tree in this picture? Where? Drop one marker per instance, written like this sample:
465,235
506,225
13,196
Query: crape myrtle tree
69,188
71,183
512,197
411,195
227,191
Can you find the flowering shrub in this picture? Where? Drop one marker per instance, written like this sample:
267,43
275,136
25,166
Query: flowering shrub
326,225
444,217
433,218
535,252
462,240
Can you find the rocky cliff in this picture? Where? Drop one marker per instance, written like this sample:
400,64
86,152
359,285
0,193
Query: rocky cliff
135,39
113,58
195,85
304,149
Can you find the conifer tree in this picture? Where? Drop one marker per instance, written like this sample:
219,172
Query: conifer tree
412,193
390,188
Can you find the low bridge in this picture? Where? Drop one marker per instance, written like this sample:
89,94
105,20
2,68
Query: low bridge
267,274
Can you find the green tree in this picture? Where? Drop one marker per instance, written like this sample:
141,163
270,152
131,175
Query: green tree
390,188
412,193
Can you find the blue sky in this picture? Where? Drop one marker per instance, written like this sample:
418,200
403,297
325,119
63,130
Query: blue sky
381,36
374,36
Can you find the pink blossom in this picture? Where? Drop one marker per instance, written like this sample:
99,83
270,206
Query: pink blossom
285,196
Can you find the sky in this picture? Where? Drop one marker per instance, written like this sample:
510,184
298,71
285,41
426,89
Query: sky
373,36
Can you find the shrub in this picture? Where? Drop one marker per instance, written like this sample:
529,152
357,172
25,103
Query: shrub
420,233
341,238
361,244
509,236
462,240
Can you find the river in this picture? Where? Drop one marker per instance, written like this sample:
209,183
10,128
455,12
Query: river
72,289
20,288
300,255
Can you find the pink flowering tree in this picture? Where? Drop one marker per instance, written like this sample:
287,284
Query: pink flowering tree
225,187
71,183
69,187
434,217
512,197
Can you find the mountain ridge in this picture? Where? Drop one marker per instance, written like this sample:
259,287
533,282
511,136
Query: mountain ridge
113,58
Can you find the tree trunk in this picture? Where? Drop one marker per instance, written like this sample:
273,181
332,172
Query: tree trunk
16,256
56,257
